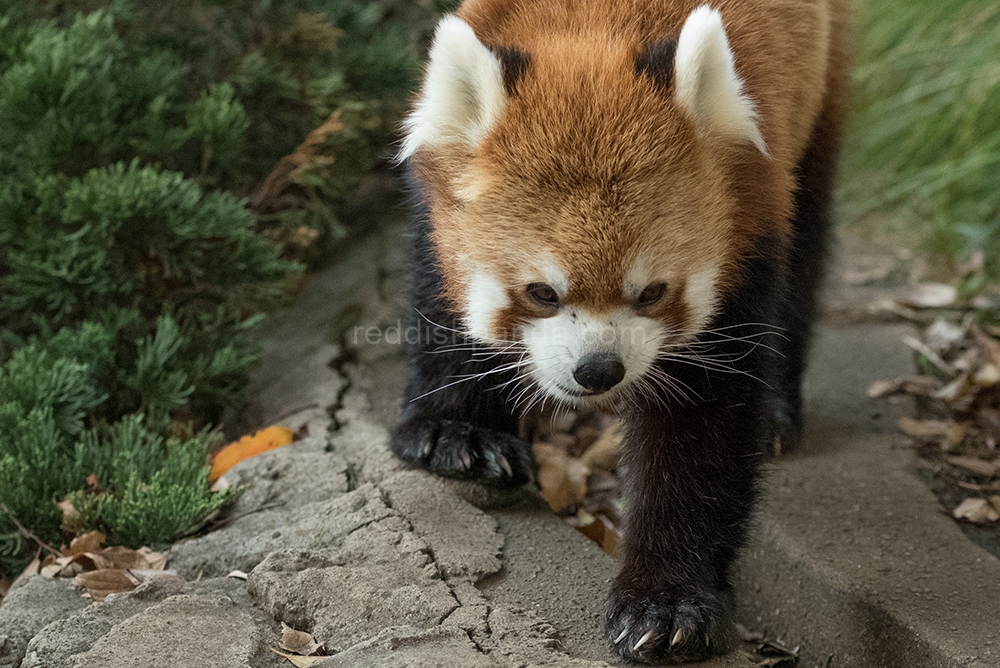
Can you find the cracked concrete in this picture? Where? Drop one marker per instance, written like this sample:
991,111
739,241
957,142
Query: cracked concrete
391,567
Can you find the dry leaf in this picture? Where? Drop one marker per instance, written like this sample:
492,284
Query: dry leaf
929,295
103,583
883,388
955,436
920,385
610,542
301,661
88,542
987,375
923,429
978,511
32,568
249,446
156,560
122,558
563,479
942,335
603,454
959,387
974,464
299,642
268,196
141,559
930,355
219,485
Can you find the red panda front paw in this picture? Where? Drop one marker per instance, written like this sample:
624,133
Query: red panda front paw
672,626
461,450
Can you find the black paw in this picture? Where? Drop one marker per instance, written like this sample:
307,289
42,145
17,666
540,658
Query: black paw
460,450
650,626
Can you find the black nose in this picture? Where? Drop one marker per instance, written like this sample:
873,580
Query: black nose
599,372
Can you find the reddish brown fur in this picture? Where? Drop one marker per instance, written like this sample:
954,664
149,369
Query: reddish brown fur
598,164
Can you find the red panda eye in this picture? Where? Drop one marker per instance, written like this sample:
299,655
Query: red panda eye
651,294
543,294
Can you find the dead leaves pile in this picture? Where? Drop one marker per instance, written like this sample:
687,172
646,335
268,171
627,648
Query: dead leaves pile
102,571
958,399
577,457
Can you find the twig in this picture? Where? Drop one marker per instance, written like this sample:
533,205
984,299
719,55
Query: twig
266,506
27,534
226,521
931,356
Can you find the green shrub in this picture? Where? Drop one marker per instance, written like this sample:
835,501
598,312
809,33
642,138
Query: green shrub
133,137
151,487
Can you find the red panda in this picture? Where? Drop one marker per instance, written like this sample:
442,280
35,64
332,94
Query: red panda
625,205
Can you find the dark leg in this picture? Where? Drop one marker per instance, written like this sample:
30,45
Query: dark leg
456,419
691,476
811,229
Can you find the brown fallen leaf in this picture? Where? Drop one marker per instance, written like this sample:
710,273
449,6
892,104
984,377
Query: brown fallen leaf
611,536
88,542
956,389
101,584
603,454
141,559
929,295
931,356
301,661
987,375
923,429
977,511
299,642
74,562
955,436
974,464
883,388
563,479
31,569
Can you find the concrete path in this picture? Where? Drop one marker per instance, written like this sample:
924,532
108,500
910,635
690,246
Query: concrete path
853,559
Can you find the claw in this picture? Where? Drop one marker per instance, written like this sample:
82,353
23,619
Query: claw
678,637
466,460
505,465
643,639
621,636
427,449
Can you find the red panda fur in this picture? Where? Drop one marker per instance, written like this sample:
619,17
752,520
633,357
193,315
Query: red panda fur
640,152
598,155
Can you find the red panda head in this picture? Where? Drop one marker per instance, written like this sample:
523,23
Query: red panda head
579,194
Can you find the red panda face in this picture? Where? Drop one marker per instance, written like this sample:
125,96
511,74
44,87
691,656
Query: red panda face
581,214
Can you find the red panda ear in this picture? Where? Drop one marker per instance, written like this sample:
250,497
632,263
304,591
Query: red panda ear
463,94
707,86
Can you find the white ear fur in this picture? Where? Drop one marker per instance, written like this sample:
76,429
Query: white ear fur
463,91
707,86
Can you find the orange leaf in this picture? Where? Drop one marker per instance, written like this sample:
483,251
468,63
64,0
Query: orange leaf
249,446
